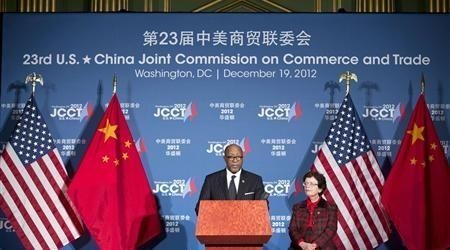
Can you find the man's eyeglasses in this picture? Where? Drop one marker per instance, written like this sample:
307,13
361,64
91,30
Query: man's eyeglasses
238,157
309,184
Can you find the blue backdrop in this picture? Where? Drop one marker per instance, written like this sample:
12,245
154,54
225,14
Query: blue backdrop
190,84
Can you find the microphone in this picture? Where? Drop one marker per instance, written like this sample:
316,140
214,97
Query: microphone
264,196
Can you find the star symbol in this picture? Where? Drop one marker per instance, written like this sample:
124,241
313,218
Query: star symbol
413,161
416,133
433,145
431,158
127,144
105,159
86,59
125,156
109,130
116,162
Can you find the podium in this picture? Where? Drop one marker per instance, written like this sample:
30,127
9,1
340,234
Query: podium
233,224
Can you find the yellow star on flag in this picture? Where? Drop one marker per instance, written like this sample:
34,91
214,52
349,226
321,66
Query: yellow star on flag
413,161
431,158
116,162
109,130
105,159
125,156
416,133
433,145
127,144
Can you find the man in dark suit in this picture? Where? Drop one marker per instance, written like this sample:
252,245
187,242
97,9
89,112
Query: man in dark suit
233,182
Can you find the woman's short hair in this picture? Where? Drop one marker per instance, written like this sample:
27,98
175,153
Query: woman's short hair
321,181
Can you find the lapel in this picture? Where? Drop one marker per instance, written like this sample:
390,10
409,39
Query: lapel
243,182
223,183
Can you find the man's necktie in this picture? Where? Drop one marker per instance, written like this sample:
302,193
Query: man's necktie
232,189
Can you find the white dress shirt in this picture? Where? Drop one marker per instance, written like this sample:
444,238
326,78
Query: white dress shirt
236,179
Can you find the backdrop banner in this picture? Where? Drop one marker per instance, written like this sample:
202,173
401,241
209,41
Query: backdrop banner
189,84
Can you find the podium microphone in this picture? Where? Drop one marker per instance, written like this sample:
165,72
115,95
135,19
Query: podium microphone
264,196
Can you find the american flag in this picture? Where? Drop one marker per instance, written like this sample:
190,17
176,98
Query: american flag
33,183
354,181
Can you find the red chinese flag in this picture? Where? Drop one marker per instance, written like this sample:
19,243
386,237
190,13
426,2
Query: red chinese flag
415,194
110,188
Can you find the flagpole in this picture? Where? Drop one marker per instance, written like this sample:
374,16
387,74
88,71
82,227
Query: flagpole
34,78
422,83
347,76
114,84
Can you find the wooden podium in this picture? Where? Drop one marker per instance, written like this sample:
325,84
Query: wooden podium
233,224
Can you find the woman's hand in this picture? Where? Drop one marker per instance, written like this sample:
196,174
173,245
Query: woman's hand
307,246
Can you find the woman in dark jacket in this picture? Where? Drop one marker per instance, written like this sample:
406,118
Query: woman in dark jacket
314,221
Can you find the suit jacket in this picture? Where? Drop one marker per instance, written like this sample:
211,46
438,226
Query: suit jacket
215,187
323,229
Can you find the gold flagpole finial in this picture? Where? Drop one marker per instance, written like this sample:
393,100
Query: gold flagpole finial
422,83
114,84
347,76
34,78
